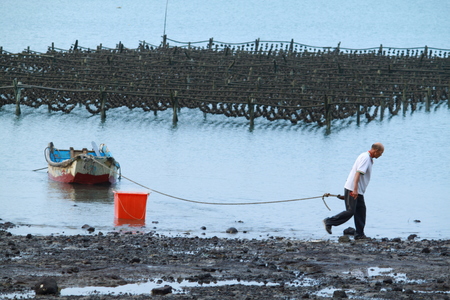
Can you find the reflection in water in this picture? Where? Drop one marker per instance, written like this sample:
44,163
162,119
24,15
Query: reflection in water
80,192
129,222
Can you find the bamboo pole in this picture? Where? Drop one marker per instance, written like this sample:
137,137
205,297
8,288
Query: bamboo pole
327,110
17,92
448,96
103,104
251,111
404,101
427,99
173,97
256,45
358,114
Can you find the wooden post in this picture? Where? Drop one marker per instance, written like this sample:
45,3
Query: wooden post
256,45
380,50
448,98
382,108
164,43
404,101
358,114
251,111
427,100
17,92
49,106
103,104
173,97
327,110
210,44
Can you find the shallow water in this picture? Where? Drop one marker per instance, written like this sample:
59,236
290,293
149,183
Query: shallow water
219,159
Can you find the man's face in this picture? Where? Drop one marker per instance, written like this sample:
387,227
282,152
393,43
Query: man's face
378,153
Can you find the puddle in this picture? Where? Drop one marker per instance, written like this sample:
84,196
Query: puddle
370,273
141,288
328,292
146,287
365,274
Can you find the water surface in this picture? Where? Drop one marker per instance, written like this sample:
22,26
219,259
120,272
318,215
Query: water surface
219,159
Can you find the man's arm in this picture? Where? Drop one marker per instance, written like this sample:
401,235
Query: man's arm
354,193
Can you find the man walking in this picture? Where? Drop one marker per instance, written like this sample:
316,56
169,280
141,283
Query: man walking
354,188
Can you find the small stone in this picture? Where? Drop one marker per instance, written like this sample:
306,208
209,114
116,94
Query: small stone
412,237
46,286
409,291
135,260
388,281
349,231
417,221
339,294
426,250
167,289
344,239
232,230
203,227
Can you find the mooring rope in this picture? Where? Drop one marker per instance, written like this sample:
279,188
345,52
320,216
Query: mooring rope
223,203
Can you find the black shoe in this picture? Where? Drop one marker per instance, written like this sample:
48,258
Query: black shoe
327,227
361,237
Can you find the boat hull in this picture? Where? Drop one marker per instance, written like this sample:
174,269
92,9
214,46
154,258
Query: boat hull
85,170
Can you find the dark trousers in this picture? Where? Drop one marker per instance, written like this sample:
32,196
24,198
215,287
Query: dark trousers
355,208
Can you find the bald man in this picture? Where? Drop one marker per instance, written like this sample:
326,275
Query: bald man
354,188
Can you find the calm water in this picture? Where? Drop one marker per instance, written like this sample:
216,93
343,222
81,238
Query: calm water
218,159
354,23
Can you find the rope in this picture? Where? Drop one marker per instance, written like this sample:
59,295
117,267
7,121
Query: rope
217,203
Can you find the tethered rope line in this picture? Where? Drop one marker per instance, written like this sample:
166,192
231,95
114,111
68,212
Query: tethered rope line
223,203
235,203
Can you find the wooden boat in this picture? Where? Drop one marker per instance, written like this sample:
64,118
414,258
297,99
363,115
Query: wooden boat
82,166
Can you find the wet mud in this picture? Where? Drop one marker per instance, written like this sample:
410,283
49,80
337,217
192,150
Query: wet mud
157,266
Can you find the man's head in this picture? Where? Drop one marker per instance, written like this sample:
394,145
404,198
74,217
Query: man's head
377,150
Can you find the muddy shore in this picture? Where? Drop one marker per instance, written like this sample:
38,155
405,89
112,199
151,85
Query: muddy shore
216,268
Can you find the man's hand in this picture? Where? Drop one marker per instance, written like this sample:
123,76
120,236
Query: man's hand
354,193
